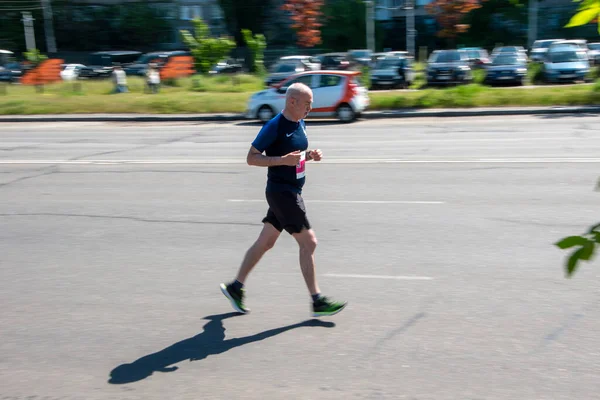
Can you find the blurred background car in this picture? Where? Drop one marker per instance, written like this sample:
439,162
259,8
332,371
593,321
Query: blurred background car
477,57
290,65
540,48
11,72
506,68
392,72
448,67
360,57
510,50
594,53
101,63
227,66
336,94
140,66
334,61
565,64
70,72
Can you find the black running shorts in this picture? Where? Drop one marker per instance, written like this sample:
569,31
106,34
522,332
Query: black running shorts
286,211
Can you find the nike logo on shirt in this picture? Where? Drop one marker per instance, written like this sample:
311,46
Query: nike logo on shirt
289,134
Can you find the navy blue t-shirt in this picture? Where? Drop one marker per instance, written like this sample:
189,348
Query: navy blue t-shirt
279,137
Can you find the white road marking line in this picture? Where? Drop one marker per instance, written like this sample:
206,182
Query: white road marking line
347,201
333,160
397,277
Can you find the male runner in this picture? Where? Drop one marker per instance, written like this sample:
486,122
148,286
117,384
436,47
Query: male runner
283,140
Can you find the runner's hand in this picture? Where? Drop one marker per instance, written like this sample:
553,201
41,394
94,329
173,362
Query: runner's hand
291,159
316,155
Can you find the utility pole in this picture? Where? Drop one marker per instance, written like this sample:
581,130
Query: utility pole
29,34
409,10
370,17
49,27
532,31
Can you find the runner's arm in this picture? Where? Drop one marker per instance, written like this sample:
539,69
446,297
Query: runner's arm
258,159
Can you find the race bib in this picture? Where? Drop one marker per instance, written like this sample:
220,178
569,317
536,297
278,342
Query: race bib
300,171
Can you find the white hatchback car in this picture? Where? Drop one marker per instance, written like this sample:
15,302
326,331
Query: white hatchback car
335,94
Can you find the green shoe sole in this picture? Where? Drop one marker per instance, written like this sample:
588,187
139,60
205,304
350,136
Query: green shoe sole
234,304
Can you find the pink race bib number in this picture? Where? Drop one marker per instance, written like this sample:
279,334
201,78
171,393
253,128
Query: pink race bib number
300,171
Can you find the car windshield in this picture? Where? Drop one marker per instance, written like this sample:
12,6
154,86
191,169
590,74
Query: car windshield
361,54
384,63
542,45
566,56
446,56
505,60
594,46
277,68
147,58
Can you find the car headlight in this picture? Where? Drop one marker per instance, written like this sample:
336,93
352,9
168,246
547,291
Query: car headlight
521,70
463,68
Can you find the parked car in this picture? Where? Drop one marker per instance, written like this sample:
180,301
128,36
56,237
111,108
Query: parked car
11,72
581,44
448,67
594,53
287,67
140,66
70,72
228,66
510,50
312,62
477,57
506,68
335,94
334,61
6,56
540,48
101,63
360,57
565,64
376,57
392,72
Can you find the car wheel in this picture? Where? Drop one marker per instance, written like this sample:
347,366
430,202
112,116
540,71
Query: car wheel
265,113
345,113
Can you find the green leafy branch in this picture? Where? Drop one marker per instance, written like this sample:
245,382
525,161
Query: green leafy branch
586,243
589,11
206,50
257,45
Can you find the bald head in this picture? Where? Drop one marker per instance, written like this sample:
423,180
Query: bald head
296,90
298,101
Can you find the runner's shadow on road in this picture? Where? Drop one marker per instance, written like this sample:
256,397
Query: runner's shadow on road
210,342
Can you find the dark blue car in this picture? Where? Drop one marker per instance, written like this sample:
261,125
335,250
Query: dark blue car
506,68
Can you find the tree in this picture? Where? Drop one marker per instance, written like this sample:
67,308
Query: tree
256,44
450,14
589,11
206,50
344,25
305,15
244,14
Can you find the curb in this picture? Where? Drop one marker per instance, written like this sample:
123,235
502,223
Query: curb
410,113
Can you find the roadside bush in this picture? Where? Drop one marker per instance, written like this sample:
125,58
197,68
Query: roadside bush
535,73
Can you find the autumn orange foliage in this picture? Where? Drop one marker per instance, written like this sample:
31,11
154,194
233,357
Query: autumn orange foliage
177,67
305,16
47,72
449,14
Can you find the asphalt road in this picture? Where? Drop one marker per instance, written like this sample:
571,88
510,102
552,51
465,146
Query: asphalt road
439,232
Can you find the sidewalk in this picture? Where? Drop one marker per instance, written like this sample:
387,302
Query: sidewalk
409,113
